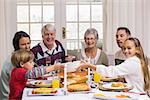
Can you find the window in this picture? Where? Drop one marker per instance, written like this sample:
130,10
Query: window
32,15
75,16
81,15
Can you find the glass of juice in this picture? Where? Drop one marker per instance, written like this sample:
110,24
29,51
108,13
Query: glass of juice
55,83
97,77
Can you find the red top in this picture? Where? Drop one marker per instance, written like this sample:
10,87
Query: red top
17,83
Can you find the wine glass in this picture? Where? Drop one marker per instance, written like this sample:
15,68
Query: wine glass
48,61
57,61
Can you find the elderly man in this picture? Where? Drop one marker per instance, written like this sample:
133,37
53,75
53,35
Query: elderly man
49,50
122,34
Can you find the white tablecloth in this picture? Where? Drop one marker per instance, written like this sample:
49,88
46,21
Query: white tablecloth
72,96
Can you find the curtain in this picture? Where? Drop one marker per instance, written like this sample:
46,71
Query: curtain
7,27
133,14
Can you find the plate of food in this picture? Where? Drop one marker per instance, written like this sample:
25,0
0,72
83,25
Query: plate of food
116,96
73,74
117,86
40,83
43,91
109,79
76,80
79,88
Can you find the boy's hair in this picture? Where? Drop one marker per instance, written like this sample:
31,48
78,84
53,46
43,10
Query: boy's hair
21,56
124,28
18,35
144,62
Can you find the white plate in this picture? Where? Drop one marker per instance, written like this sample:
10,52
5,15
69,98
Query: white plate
81,92
112,96
47,83
51,94
60,91
109,86
108,79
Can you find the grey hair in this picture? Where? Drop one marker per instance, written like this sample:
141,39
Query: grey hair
48,27
91,31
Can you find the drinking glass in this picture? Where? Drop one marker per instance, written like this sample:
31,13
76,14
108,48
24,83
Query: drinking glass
97,77
55,83
57,61
48,61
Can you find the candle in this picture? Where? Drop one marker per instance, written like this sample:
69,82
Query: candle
89,76
65,76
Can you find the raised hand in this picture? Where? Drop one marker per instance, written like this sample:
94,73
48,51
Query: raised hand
54,67
58,67
70,58
86,65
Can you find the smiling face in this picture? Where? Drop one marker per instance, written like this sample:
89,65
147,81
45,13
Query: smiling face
49,38
49,35
90,41
129,48
121,36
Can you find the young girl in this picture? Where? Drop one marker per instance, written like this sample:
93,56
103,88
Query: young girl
23,62
134,69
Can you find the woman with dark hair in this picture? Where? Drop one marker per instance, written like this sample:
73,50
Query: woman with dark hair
21,40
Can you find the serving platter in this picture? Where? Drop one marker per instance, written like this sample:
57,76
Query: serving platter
39,83
59,91
115,96
117,86
109,79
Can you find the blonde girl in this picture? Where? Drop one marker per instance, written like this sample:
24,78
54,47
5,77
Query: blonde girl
144,62
134,69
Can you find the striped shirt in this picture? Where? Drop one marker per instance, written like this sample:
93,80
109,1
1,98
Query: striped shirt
41,53
36,72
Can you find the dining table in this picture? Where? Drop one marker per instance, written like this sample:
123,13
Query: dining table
63,94
73,96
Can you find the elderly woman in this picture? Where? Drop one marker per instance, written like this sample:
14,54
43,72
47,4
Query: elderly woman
49,50
91,52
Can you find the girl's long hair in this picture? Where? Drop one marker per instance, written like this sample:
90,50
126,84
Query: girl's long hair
144,62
